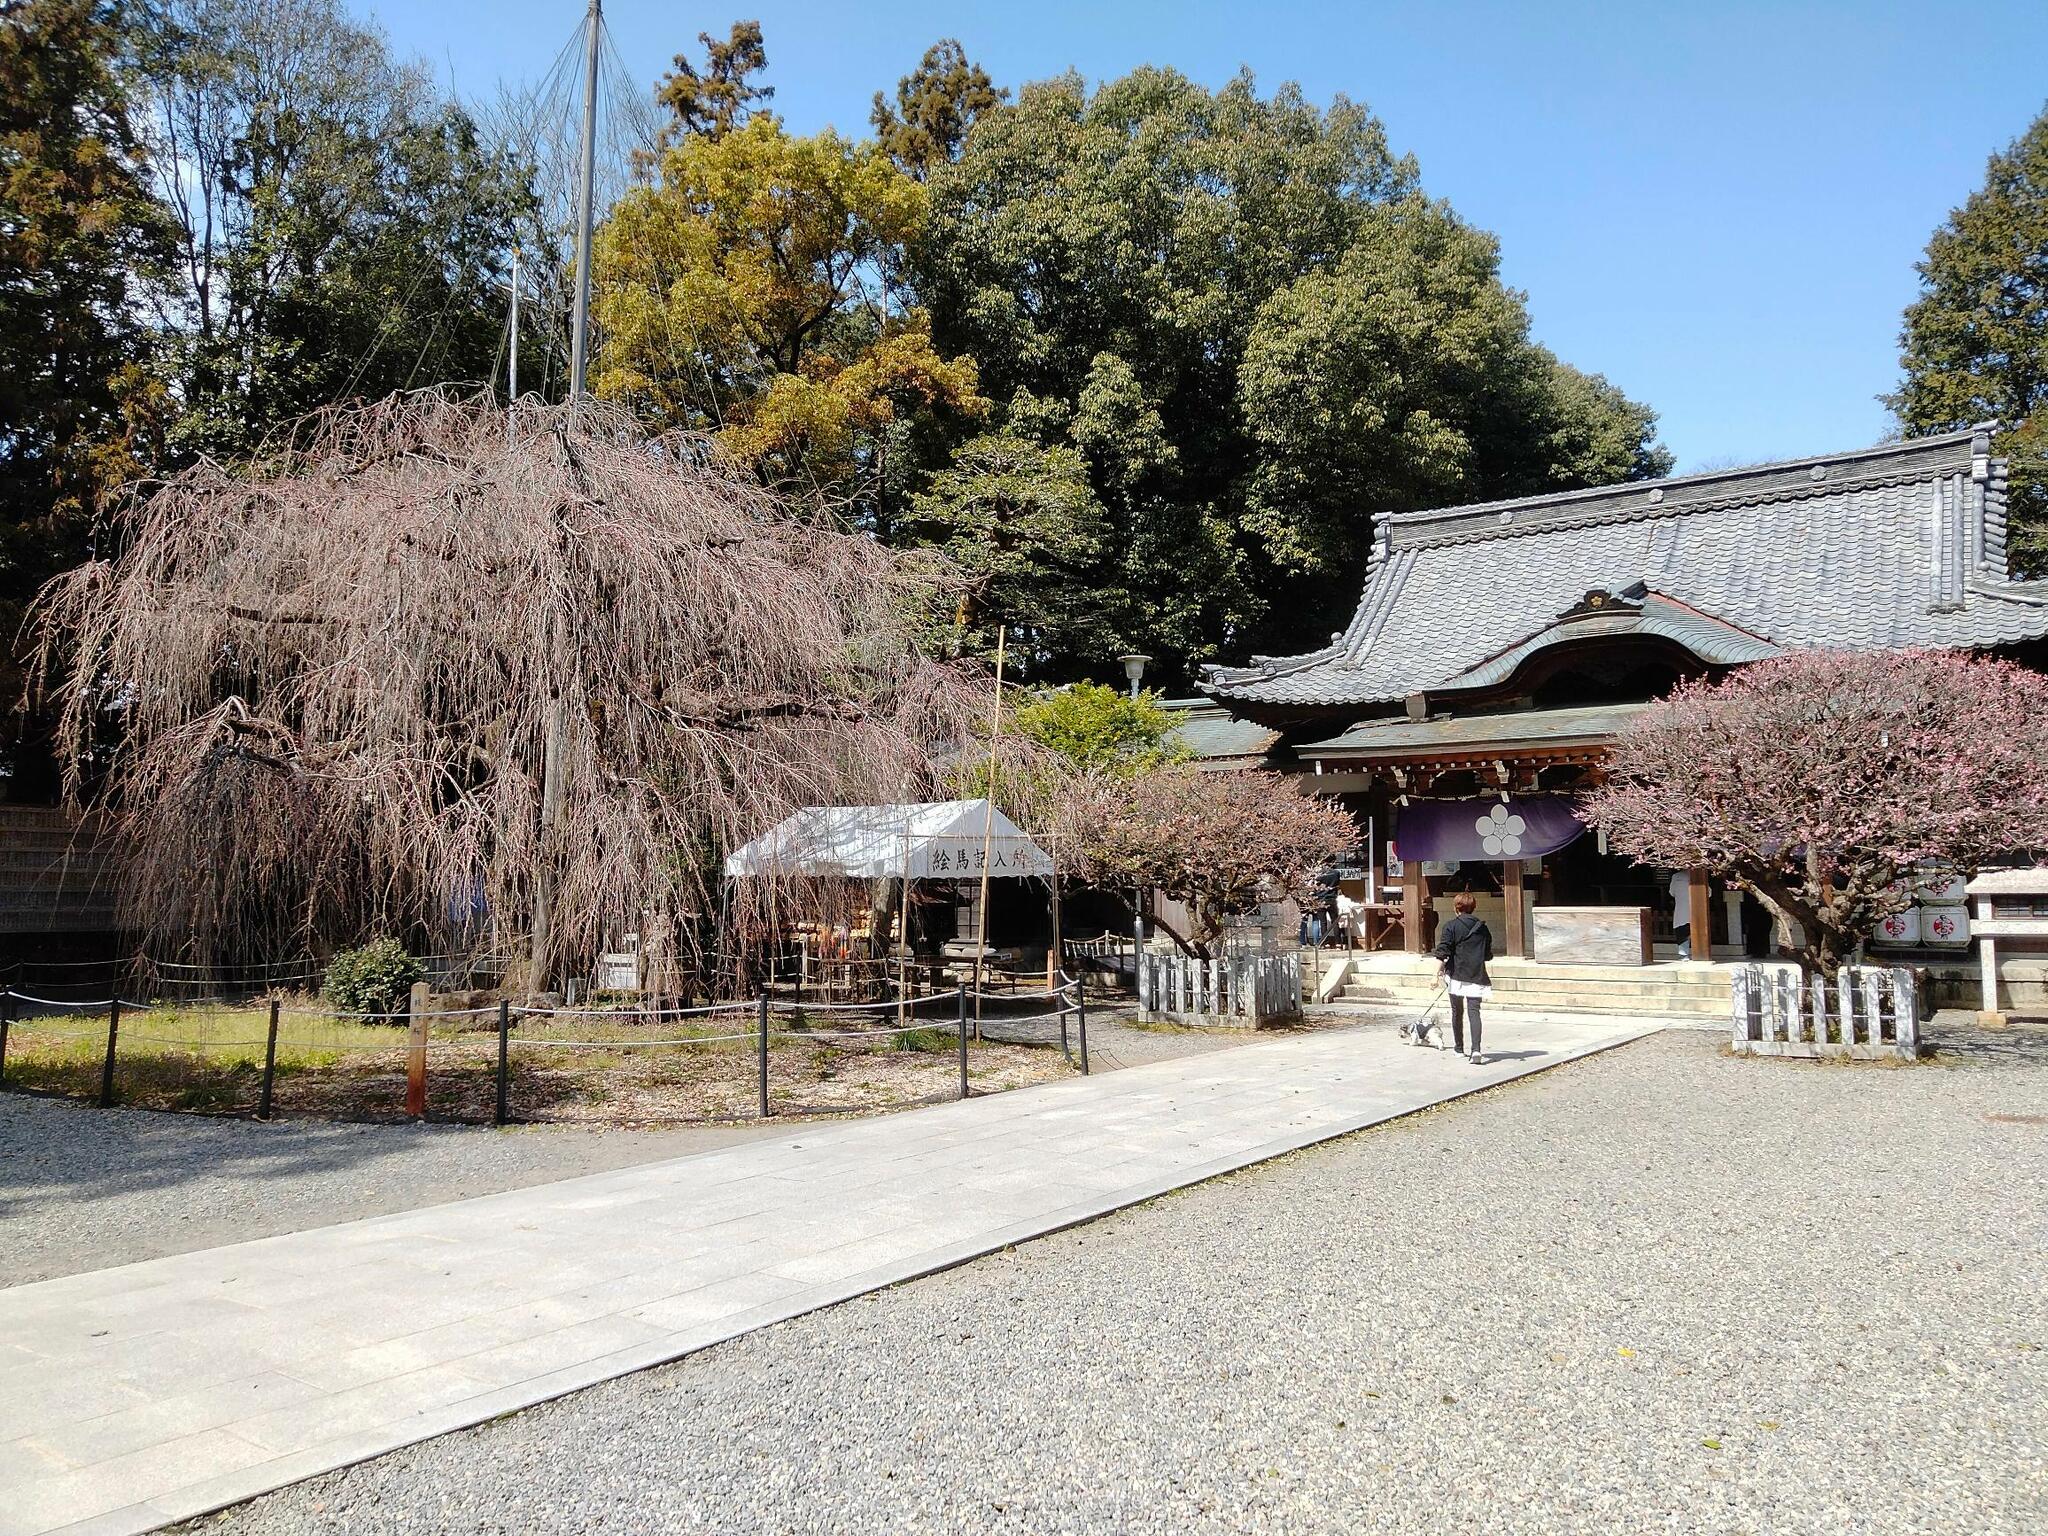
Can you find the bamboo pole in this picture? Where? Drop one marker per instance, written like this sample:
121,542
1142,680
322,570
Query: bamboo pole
988,822
1052,881
903,936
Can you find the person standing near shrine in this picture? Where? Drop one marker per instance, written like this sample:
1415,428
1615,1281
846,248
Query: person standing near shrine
1463,947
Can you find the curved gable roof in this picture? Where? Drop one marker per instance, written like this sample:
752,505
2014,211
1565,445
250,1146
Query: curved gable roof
1897,546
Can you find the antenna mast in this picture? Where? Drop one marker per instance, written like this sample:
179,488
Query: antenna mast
579,341
512,362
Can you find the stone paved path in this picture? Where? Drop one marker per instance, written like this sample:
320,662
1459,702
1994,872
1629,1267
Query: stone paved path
135,1396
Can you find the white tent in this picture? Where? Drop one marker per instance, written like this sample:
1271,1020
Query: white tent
939,839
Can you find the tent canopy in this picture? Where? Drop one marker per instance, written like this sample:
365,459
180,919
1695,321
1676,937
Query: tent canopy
940,839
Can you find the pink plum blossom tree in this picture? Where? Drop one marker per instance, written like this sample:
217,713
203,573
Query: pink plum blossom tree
1220,843
1821,780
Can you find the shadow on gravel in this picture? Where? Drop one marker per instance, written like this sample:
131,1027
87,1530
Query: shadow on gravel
2015,1045
41,1140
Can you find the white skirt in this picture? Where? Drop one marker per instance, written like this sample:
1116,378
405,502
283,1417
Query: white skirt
1471,989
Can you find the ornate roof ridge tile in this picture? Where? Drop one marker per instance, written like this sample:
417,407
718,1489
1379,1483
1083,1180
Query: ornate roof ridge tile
1647,511
1910,446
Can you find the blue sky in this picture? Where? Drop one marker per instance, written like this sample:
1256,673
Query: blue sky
1717,206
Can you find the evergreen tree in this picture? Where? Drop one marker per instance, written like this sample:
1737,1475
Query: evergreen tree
748,294
77,230
1024,527
1975,343
77,226
936,103
1243,315
721,96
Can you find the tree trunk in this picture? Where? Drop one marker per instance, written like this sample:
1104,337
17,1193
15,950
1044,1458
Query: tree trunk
884,899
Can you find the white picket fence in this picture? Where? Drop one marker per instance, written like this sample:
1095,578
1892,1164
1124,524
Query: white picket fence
1870,1010
1240,989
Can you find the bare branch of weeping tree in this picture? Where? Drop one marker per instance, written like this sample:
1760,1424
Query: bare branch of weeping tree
328,681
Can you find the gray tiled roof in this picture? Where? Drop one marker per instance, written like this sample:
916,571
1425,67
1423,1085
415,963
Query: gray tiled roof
1582,723
1900,545
1207,730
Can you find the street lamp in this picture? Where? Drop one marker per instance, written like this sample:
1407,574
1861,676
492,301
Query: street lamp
1134,668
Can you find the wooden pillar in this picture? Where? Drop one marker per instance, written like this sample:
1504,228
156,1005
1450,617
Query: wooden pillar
1699,907
416,1054
1511,890
1414,903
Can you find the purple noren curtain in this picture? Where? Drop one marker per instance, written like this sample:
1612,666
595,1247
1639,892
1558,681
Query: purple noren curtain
1486,829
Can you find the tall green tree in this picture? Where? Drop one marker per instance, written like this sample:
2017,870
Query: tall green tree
1242,314
936,104
1023,526
1975,343
1402,375
342,231
749,294
723,94
78,230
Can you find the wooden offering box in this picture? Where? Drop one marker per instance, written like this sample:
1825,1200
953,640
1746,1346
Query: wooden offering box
1591,935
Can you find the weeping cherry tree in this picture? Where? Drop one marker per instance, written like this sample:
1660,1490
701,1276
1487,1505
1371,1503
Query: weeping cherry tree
414,666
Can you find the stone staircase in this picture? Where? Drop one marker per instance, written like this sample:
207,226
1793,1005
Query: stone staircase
1676,991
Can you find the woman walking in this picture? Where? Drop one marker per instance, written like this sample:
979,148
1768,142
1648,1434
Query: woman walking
1462,950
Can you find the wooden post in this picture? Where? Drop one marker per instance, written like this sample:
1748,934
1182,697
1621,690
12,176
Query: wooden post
113,1037
1699,912
500,1115
6,1021
269,1064
962,1022
1414,903
1905,1012
761,1046
416,1053
1511,888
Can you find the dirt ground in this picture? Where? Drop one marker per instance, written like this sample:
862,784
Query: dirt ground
613,1076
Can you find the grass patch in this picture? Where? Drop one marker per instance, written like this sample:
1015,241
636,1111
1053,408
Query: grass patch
206,1060
928,1039
604,1068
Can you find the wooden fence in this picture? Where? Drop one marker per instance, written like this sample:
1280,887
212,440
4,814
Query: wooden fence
1869,1011
1244,990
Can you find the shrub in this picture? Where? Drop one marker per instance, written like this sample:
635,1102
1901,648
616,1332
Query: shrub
373,979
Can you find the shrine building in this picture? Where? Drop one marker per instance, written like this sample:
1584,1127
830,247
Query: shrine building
1498,650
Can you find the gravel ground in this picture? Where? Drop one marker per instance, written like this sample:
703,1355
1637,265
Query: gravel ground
1660,1289
85,1188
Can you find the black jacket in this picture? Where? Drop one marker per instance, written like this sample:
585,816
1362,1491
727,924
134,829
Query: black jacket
1464,945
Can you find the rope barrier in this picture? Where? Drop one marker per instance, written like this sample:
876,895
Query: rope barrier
1028,1018
631,1013
438,1013
790,1005
781,1035
630,1045
198,1044
53,1002
1012,997
826,1036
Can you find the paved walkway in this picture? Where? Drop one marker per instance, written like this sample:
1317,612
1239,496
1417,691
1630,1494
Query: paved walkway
132,1397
